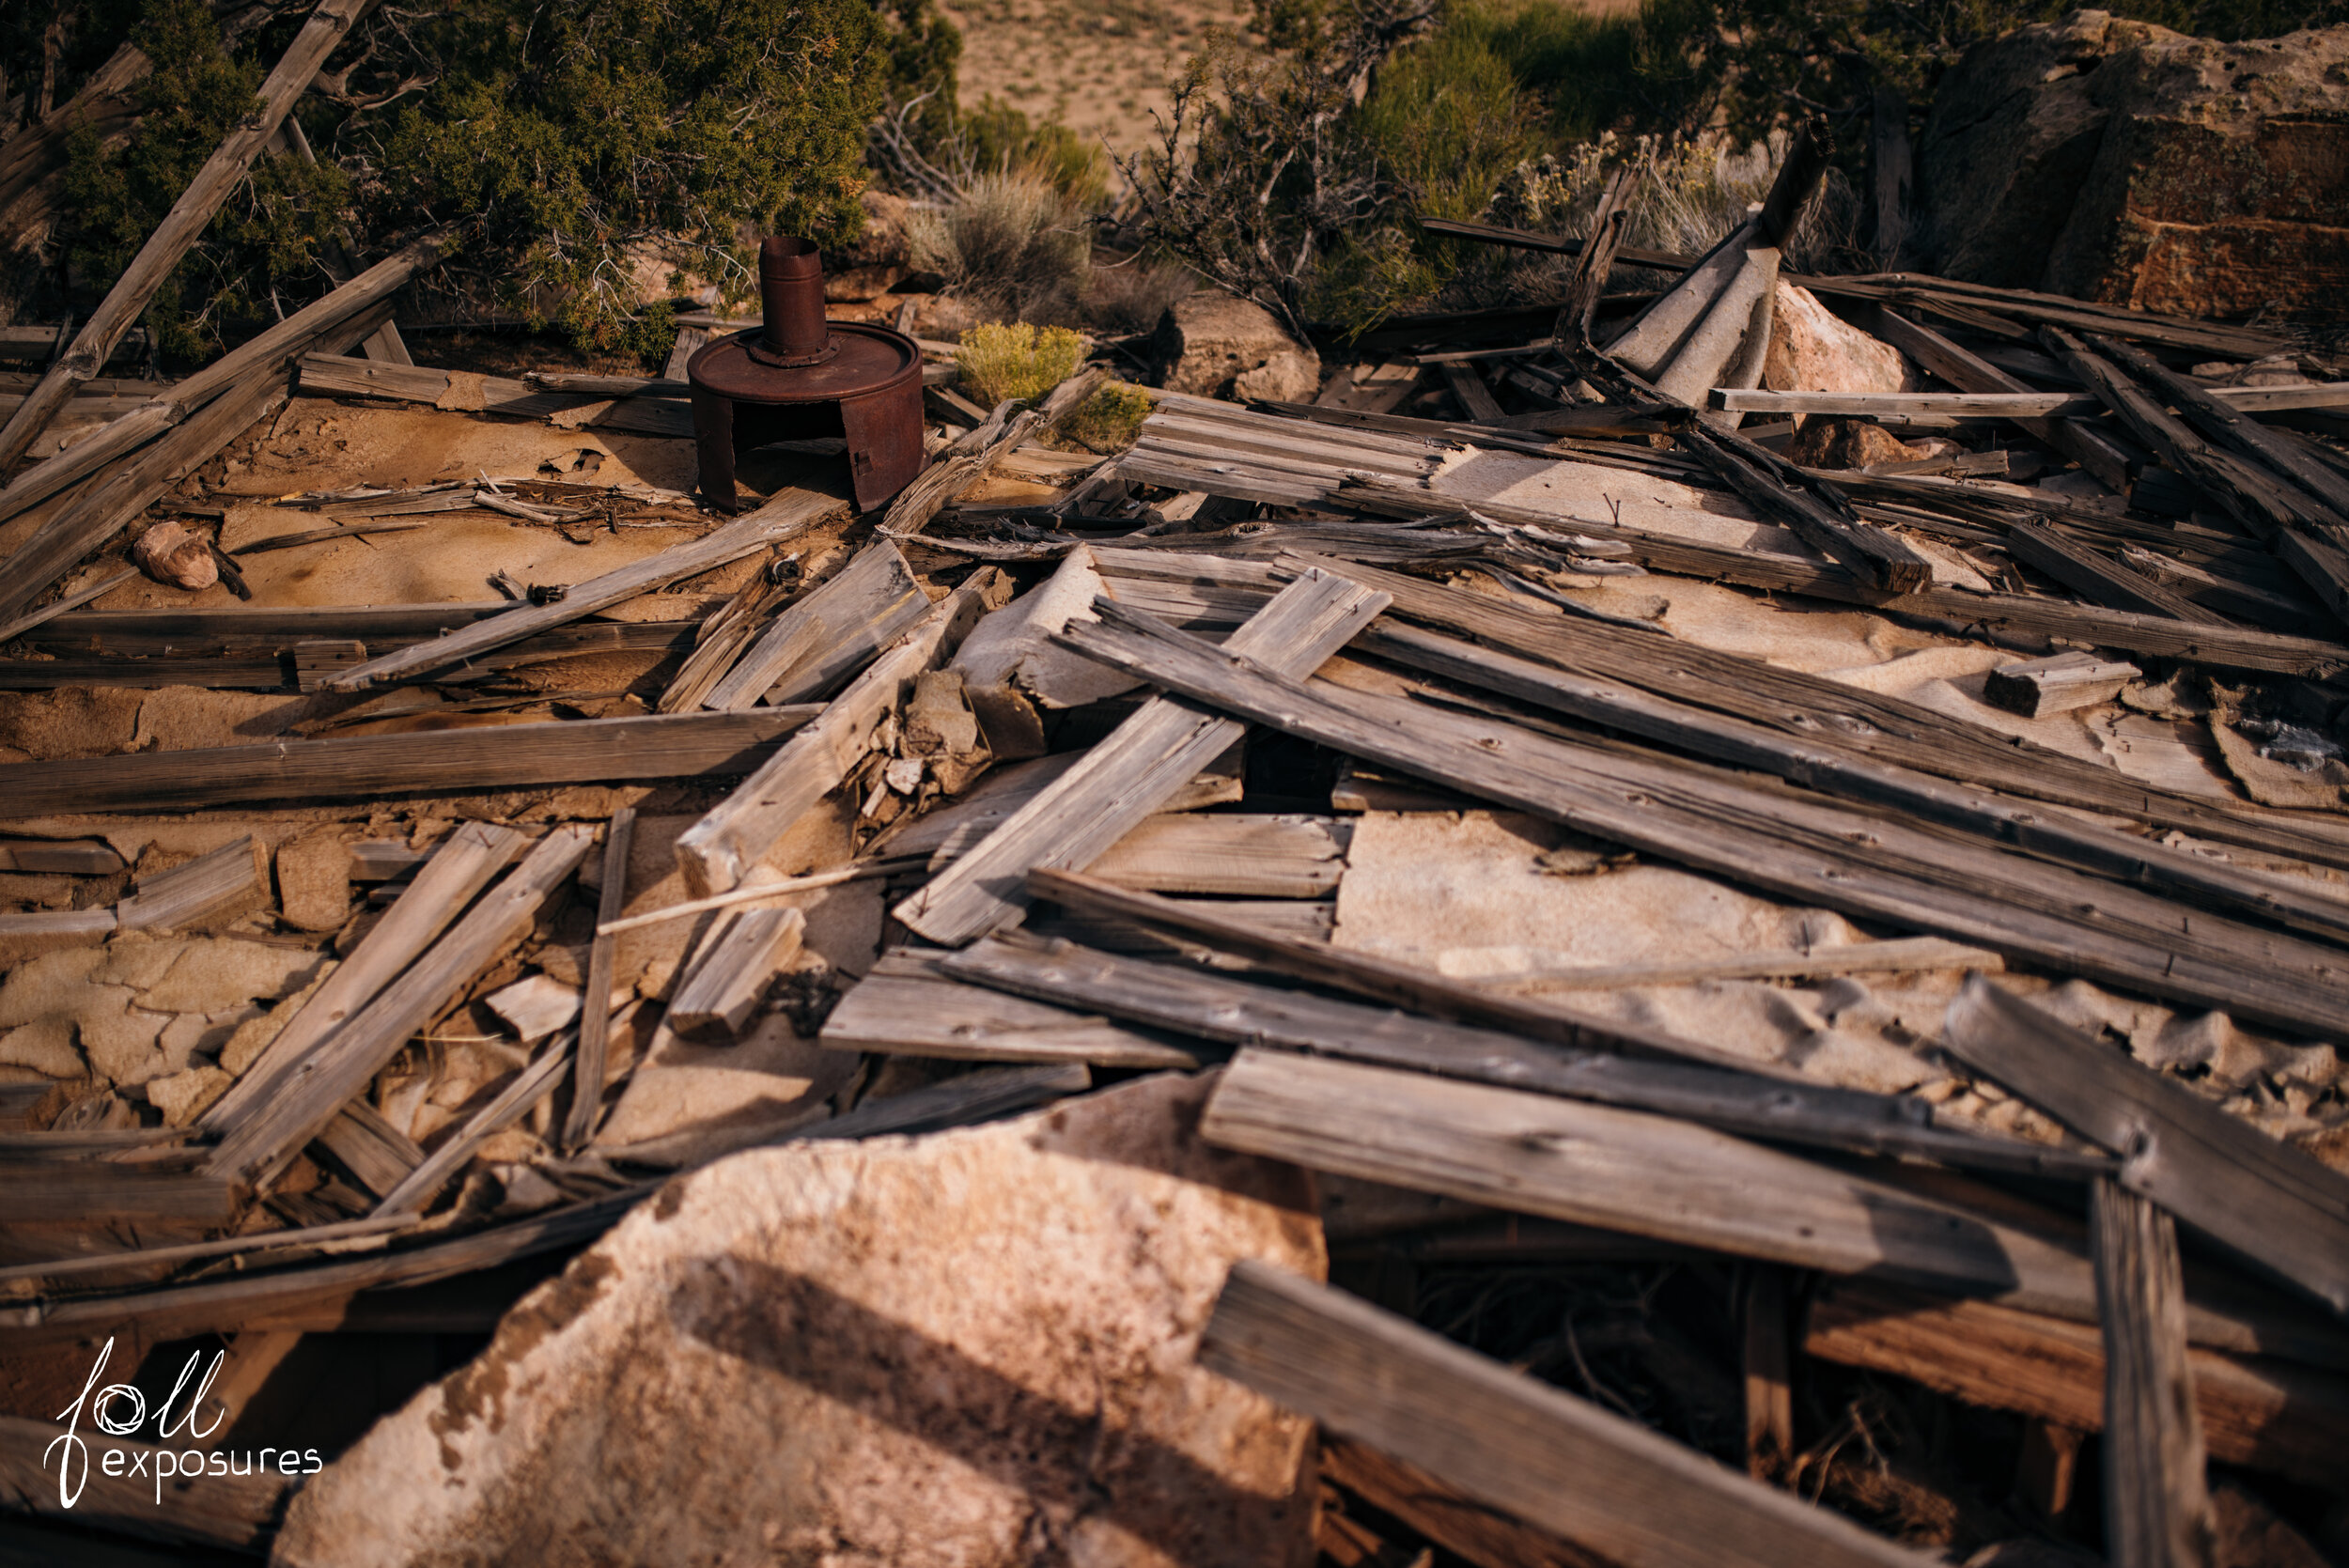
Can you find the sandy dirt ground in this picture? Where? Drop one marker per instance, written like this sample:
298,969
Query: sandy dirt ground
1102,66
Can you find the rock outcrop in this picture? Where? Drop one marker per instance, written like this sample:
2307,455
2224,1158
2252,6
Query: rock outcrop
1212,344
970,1350
2121,162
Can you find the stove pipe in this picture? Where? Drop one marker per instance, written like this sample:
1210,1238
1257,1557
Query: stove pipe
792,296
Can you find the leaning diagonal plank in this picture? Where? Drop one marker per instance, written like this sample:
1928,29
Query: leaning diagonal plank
594,1014
1787,843
1212,1005
717,853
182,226
2156,1499
458,870
792,512
307,1096
1630,1494
282,342
1124,778
2226,1178
1666,1179
570,751
827,633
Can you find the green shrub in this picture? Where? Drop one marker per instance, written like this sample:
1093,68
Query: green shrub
264,244
587,149
1017,360
566,129
1109,419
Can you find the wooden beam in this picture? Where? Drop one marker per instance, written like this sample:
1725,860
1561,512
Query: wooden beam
717,851
1123,779
1969,372
2057,684
1873,865
2158,1508
595,1017
127,300
657,746
792,512
315,1088
2009,405
1609,1485
2250,1192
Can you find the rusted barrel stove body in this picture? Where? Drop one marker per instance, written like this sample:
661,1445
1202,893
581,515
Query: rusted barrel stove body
798,377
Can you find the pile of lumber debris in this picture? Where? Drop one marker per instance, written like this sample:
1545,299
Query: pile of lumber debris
1805,932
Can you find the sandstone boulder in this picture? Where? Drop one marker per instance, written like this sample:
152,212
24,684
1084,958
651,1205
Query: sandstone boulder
2121,162
1212,344
967,1350
1813,349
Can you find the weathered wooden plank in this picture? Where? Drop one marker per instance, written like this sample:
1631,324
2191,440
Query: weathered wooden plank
1626,1492
909,1005
1641,1174
1234,856
238,1512
457,869
87,518
2259,1411
1206,1006
311,1089
2228,1179
825,635
595,1017
2057,684
1481,1534
1875,866
1824,713
657,746
717,853
2156,1504
378,1155
2224,647
1969,372
717,998
793,511
71,857
1824,765
2089,573
93,1191
1124,778
208,885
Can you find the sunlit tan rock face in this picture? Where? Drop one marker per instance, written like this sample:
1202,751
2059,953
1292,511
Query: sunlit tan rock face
2121,162
966,1350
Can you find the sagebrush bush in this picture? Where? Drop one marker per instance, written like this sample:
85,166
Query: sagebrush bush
1017,360
1109,420
1011,244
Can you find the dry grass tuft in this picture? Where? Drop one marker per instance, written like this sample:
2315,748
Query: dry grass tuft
1012,244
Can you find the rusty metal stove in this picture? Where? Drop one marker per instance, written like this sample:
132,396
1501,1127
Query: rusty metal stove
798,377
